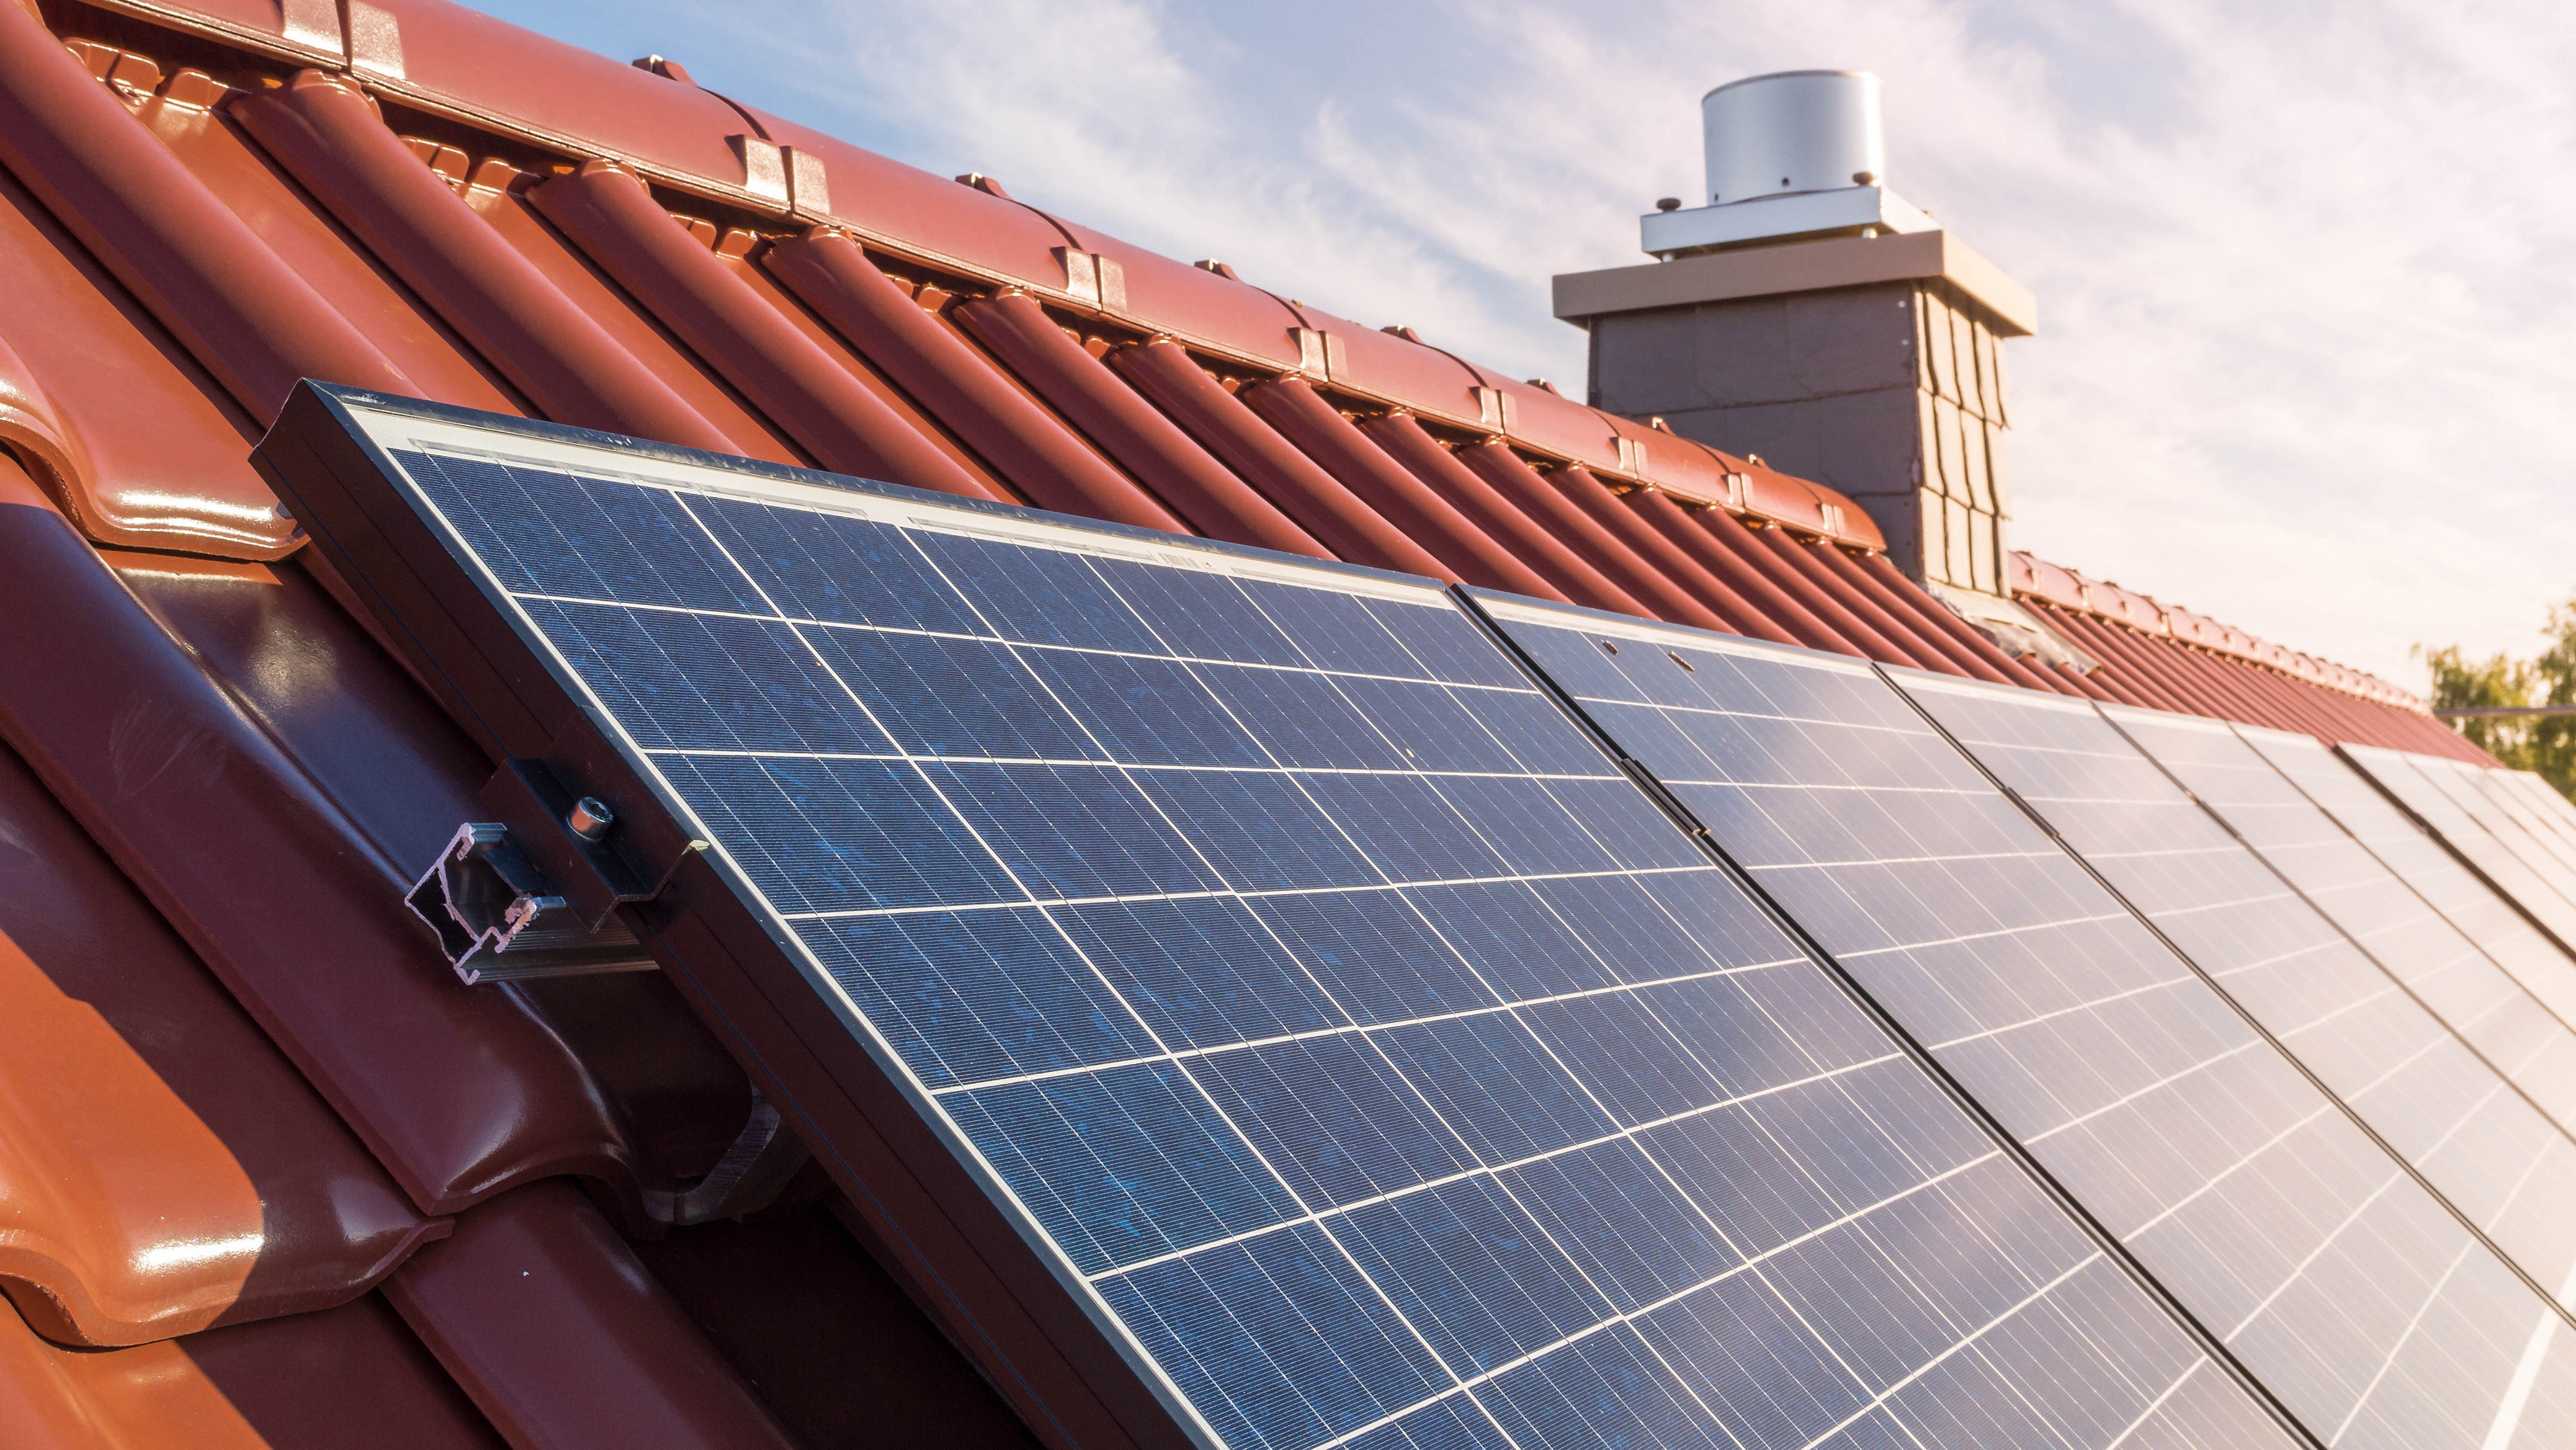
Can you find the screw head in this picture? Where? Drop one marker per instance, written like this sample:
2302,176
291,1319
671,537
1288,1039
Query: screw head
1668,203
590,818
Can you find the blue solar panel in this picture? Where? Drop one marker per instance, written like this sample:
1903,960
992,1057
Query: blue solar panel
2433,873
2328,1270
2464,821
2395,916
2481,1144
1362,1052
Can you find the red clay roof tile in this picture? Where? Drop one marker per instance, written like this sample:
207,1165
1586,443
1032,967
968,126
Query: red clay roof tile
162,1169
543,1314
326,1381
268,776
460,1093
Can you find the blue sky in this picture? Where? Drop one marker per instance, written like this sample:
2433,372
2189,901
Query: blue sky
2307,358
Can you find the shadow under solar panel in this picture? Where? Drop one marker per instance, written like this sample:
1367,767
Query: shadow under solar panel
2325,1267
2459,819
2505,1166
1249,1009
2463,898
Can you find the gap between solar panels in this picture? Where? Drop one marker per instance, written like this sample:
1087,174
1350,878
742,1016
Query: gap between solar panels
1247,1007
2477,1145
2423,788
2318,1257
2457,955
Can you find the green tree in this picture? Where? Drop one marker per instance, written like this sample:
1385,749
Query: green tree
2545,744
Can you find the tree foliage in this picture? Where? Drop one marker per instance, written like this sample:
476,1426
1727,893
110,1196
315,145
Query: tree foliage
2542,743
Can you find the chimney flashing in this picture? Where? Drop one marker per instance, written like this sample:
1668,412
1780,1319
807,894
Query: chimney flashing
1801,266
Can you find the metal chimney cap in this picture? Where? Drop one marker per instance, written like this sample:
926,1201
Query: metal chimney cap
1858,75
1790,132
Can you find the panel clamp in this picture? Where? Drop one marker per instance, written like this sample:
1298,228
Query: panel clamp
535,892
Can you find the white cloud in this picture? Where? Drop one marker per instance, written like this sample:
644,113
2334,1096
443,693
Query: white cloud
2305,360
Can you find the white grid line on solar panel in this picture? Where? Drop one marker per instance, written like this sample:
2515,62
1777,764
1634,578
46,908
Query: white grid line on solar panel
2457,781
2414,1323
2414,1084
996,1177
2498,786
758,484
1245,1140
1343,1209
2397,771
2544,812
1320,1034
2468,904
1147,767
2399,927
1422,1337
2481,783
1363,1272
2544,800
898,631
1578,659
1272,893
1863,1413
2164,984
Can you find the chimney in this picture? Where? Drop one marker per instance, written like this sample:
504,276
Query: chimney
1806,314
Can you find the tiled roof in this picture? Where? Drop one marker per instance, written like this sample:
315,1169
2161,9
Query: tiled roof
268,1173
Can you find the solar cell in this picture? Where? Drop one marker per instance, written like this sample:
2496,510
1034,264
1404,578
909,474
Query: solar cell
2422,785
2496,786
2544,807
2542,799
2323,1265
2462,899
1360,1054
2378,908
2465,785
2478,1142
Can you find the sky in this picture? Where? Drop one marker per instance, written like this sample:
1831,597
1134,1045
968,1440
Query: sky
2307,348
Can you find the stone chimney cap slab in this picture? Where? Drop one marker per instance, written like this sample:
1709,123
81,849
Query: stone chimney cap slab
1802,267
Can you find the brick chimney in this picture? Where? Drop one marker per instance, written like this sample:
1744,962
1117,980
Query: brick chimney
1806,314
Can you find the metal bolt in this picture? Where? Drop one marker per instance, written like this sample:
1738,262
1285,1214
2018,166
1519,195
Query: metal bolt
590,818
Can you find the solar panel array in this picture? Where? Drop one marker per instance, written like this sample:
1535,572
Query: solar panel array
2438,880
2326,1268
2427,787
2384,913
2541,802
2440,1106
2497,790
1363,1051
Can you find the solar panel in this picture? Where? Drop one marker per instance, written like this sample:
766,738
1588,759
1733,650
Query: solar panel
2379,909
1313,1027
2437,876
2424,786
2497,786
2465,785
2327,1270
2541,799
2478,1142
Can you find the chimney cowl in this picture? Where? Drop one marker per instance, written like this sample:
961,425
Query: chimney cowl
1792,131
1792,154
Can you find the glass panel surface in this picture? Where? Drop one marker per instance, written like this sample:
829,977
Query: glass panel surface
2426,867
1361,1048
2435,1101
2332,1274
2464,820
